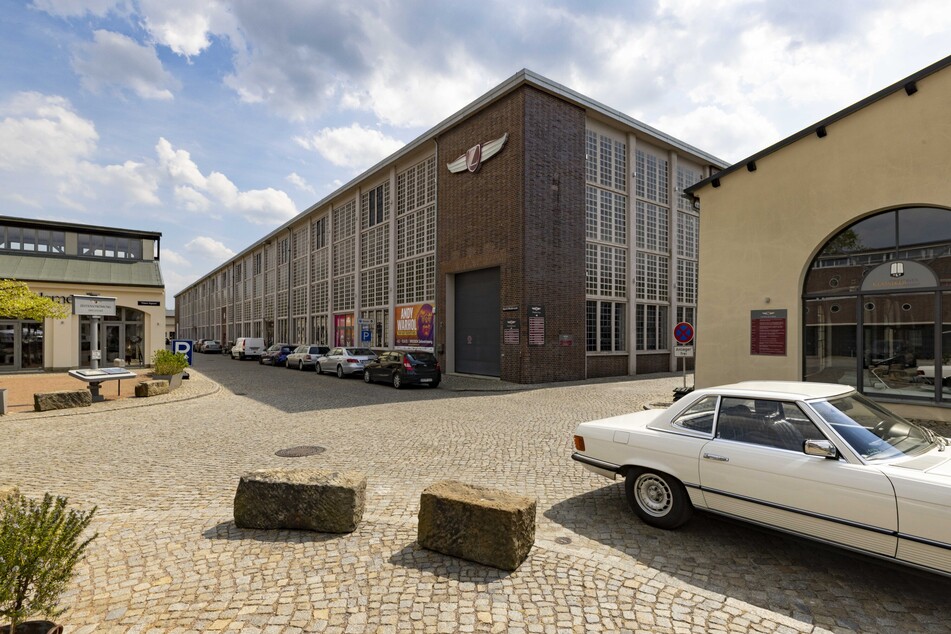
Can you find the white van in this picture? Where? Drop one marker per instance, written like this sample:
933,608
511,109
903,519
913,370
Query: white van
248,348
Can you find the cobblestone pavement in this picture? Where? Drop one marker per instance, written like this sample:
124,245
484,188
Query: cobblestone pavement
170,559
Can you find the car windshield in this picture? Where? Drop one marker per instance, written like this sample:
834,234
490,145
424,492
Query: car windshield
872,431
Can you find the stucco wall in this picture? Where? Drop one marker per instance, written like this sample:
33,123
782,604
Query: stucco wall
760,230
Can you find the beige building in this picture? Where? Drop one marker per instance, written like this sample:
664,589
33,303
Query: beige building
827,257
62,260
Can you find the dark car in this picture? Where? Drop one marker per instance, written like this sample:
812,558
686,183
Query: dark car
404,367
276,354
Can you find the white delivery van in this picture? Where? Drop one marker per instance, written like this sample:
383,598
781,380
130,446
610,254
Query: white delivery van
248,348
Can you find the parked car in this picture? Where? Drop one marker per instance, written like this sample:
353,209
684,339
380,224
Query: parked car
812,459
403,367
345,361
925,374
196,347
276,354
305,356
211,345
247,348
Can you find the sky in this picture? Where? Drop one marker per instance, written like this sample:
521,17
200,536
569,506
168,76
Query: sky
215,122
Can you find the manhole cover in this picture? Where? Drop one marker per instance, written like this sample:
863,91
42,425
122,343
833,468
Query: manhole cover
562,540
300,452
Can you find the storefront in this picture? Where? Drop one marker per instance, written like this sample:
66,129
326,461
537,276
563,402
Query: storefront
59,261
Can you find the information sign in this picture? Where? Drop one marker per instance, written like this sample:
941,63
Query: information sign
94,305
768,332
683,352
536,325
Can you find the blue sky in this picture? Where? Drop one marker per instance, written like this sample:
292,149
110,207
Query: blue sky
214,122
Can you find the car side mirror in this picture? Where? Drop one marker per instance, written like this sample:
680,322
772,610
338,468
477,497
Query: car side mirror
821,448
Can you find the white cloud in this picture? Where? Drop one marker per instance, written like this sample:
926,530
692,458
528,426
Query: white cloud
258,206
43,141
115,60
354,147
300,183
186,26
209,248
174,258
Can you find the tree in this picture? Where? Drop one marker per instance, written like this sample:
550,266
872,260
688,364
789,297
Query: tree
17,301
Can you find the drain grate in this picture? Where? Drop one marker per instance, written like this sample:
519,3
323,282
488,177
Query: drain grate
562,540
300,452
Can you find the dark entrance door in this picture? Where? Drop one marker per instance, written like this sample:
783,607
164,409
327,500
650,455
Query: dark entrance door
477,308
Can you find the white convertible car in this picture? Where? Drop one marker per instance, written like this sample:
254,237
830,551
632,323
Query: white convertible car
812,459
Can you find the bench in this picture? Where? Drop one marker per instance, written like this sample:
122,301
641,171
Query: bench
488,526
306,499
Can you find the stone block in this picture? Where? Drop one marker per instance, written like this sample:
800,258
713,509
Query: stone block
308,499
64,399
488,526
151,388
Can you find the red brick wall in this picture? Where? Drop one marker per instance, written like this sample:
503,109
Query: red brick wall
614,365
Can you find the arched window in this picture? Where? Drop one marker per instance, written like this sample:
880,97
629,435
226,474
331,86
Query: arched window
877,306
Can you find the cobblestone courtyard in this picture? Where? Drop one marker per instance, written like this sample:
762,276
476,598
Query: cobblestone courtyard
170,559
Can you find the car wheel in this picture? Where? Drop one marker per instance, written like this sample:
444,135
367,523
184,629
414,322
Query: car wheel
366,377
657,498
317,368
397,380
339,371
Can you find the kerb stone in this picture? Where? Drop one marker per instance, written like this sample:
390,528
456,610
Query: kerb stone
64,399
488,526
306,499
151,388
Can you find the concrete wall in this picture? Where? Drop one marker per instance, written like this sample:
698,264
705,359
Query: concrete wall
760,230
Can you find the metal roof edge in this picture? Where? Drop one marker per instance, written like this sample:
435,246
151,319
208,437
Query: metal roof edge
75,226
812,129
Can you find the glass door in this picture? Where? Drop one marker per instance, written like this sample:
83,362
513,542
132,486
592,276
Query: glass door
8,345
112,349
898,338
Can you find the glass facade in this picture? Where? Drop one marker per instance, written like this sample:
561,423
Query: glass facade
877,311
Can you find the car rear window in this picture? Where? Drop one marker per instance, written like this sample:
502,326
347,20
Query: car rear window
422,357
365,352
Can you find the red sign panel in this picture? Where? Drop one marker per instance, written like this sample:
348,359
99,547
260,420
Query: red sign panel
768,332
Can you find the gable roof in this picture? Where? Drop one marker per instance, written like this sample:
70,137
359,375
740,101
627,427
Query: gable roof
908,85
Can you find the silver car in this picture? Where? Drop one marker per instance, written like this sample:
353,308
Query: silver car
345,361
305,356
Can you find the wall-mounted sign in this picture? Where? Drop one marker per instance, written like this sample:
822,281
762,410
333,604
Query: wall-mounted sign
683,352
899,275
476,155
143,302
768,332
510,331
415,326
94,305
566,340
509,308
536,325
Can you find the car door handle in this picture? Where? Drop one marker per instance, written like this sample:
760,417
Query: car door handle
713,456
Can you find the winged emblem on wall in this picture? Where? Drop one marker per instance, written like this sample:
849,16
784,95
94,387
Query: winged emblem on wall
474,157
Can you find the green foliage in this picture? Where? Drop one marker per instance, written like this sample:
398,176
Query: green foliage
40,545
17,301
168,362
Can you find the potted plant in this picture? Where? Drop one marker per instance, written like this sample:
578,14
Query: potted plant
169,365
40,545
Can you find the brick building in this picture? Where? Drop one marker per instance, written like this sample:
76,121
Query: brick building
535,235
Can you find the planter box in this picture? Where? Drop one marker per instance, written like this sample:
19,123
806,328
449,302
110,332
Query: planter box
174,380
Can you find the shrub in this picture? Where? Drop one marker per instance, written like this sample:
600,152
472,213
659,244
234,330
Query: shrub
40,545
168,362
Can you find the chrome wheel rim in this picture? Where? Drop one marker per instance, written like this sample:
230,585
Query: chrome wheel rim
653,495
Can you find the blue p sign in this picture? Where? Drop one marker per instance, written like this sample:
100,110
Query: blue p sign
183,345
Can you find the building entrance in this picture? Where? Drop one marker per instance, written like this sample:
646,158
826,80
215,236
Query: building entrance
477,315
120,337
21,345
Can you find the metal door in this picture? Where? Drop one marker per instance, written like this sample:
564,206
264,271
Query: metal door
477,315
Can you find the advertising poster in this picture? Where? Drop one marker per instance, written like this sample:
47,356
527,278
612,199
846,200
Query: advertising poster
415,326
343,330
